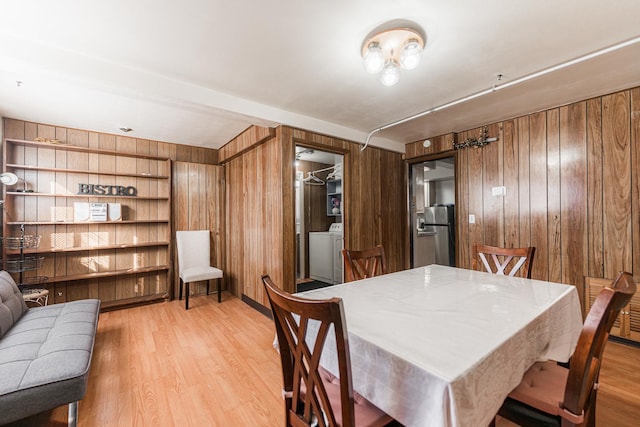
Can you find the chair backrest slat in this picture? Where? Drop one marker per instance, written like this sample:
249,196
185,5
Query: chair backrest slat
503,261
363,264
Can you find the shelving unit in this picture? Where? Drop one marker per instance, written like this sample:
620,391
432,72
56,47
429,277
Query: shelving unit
124,262
334,192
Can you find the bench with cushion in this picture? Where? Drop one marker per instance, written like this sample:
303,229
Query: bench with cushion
45,353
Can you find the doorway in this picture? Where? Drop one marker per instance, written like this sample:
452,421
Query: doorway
432,212
319,237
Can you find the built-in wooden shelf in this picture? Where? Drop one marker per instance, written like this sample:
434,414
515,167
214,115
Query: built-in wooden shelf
47,212
84,196
83,171
110,273
136,221
81,249
76,148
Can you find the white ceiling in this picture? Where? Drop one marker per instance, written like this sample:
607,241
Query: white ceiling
199,72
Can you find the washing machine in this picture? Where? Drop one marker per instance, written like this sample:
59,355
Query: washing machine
325,256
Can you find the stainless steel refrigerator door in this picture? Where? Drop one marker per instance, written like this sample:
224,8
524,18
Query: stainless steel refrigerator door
442,244
438,217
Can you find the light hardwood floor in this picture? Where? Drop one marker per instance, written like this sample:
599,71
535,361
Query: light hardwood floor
214,365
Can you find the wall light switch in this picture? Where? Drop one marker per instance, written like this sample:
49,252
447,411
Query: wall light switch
499,191
472,219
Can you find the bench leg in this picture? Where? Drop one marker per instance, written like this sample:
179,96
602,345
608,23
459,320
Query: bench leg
73,414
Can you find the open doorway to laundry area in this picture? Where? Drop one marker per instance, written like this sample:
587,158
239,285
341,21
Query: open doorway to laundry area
319,237
432,213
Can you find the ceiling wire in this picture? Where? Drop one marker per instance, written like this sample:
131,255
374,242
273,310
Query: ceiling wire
497,86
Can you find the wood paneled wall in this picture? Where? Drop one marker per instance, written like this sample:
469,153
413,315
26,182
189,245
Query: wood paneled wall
374,196
572,176
198,195
257,189
245,141
261,215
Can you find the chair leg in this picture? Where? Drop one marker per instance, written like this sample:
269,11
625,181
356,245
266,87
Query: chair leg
208,281
72,420
186,296
219,291
180,292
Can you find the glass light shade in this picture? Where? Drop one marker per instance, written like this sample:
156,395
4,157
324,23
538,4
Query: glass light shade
411,53
390,73
373,58
8,178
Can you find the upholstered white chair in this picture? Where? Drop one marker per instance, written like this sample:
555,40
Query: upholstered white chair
194,262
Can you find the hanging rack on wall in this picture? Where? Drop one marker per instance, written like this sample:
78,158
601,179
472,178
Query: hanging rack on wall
312,179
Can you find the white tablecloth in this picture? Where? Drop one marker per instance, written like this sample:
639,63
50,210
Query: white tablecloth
442,346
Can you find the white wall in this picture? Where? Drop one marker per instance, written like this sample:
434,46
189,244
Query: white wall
445,192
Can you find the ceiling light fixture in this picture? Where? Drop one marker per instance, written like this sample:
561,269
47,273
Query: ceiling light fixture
391,46
497,86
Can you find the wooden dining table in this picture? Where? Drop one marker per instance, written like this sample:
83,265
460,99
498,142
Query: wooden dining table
443,346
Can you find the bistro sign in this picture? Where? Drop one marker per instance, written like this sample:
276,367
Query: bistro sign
107,190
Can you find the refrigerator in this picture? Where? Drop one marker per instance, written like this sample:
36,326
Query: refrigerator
440,219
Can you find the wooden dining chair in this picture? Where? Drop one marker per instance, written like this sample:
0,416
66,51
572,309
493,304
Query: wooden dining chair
362,264
552,395
312,395
504,261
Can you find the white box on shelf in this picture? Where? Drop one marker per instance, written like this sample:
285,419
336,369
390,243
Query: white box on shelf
115,211
81,211
98,212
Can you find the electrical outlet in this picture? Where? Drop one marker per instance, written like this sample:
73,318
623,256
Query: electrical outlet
472,219
499,191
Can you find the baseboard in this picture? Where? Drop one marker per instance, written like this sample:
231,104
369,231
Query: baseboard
257,306
624,341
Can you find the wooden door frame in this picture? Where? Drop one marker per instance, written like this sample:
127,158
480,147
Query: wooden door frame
421,159
327,149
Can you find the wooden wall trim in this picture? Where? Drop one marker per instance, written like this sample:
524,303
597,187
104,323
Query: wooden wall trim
439,144
245,141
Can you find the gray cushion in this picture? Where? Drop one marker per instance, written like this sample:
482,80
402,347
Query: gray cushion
12,304
45,358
